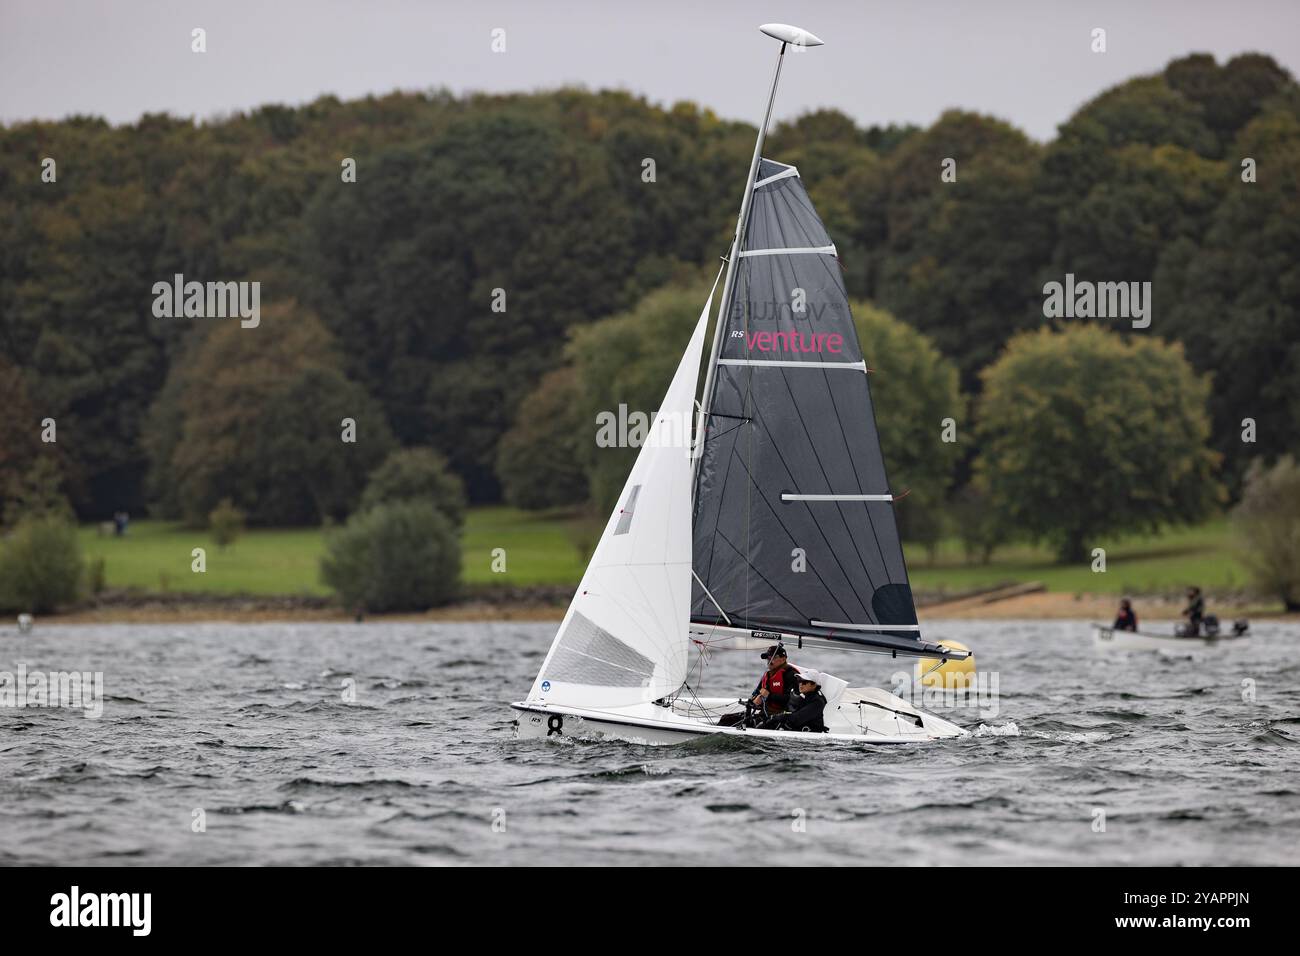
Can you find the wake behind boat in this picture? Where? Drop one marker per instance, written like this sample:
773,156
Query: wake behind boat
776,525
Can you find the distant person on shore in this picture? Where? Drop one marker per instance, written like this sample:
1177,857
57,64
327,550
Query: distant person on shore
1194,612
1126,620
120,520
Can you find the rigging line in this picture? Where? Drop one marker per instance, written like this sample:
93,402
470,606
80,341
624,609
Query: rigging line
741,421
700,663
747,406
722,486
741,279
871,522
701,429
710,596
760,574
817,457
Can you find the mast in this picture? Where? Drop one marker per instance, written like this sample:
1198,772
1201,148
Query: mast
794,465
787,35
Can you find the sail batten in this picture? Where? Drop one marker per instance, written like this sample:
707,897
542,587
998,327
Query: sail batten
793,520
791,251
857,366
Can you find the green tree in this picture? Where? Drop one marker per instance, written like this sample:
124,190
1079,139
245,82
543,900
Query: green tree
32,472
40,565
417,474
1229,96
36,493
226,522
403,556
538,461
914,390
264,417
1234,295
1268,525
1084,433
315,446
979,526
952,257
627,360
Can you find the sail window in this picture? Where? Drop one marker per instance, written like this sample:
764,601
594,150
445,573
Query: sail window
589,654
625,516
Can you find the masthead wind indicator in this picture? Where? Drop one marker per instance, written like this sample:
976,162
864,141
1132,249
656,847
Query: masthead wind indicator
788,34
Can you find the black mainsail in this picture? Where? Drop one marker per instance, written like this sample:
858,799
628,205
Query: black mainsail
794,526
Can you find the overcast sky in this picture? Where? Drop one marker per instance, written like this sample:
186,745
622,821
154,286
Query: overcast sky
1028,61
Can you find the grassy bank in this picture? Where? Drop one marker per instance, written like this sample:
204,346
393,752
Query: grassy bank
551,549
156,555
1141,564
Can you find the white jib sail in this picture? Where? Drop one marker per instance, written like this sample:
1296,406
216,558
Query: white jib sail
624,638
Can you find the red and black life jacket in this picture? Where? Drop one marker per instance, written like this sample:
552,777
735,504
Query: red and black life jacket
780,686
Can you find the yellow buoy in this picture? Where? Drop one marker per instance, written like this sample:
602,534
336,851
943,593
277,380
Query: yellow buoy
949,675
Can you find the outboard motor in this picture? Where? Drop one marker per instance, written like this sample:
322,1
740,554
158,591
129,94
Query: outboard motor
1211,625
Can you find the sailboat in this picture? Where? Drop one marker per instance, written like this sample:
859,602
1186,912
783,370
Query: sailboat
775,524
1106,637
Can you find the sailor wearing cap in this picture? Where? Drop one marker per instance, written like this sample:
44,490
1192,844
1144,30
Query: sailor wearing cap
772,695
808,708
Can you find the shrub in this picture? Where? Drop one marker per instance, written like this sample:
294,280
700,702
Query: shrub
1268,523
417,474
226,523
403,556
40,565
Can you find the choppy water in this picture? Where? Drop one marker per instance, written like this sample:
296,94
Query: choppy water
248,724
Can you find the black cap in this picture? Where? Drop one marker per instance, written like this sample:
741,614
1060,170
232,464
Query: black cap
776,650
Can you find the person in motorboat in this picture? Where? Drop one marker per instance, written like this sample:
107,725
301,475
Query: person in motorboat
1194,612
1126,620
808,709
772,695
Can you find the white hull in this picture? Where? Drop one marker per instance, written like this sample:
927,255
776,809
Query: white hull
859,715
1109,638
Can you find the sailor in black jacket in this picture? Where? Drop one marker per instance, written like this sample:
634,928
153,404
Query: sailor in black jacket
808,708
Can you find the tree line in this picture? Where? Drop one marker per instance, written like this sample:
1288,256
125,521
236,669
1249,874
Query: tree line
467,274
